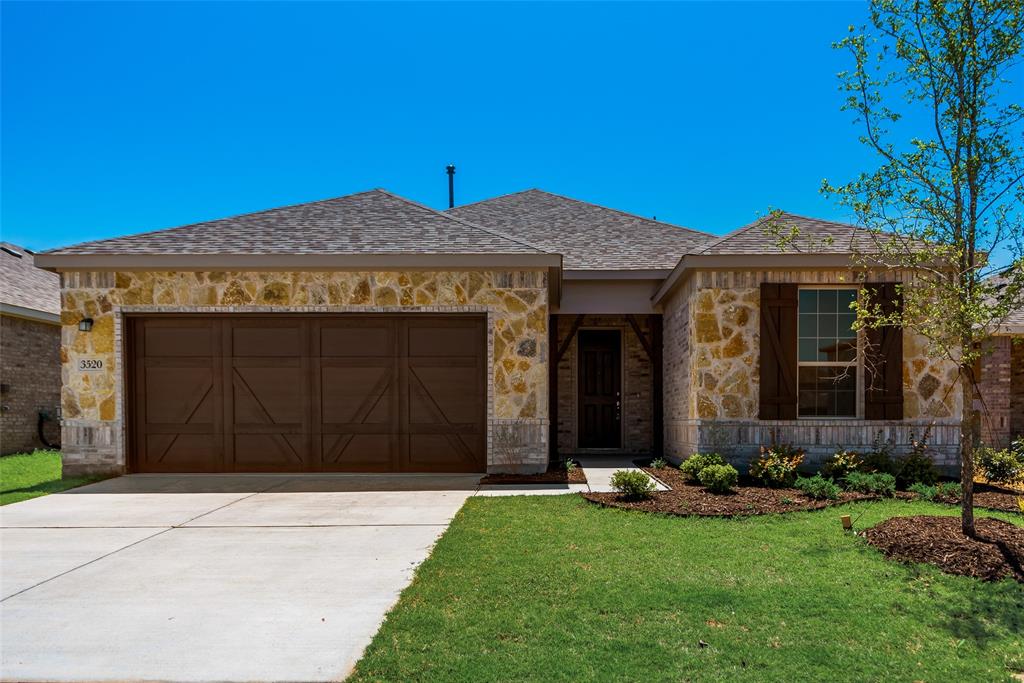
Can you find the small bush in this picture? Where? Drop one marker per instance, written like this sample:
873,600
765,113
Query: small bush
632,483
659,463
777,465
841,464
692,466
916,467
923,491
817,487
946,492
1002,466
570,465
718,478
877,483
879,458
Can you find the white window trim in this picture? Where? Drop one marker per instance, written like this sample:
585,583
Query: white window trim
857,363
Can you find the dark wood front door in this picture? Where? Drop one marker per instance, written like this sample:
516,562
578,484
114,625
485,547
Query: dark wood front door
292,393
600,389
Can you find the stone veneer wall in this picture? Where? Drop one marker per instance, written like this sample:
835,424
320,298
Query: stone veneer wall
714,318
516,303
30,375
637,385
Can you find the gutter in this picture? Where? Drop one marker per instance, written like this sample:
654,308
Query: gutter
193,262
29,314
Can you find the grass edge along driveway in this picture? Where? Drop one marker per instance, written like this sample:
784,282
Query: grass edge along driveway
30,475
554,588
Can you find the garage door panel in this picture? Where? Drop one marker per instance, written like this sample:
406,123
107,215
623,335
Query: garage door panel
443,395
443,453
452,339
360,339
359,452
270,452
183,452
267,395
176,338
271,339
360,393
179,395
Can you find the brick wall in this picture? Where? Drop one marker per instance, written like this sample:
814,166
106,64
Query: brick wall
994,388
30,374
1017,388
637,385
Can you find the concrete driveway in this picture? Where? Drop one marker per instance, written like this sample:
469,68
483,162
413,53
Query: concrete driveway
212,578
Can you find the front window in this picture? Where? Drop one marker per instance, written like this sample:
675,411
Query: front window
827,353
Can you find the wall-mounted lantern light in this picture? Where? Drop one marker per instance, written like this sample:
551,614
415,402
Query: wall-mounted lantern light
85,325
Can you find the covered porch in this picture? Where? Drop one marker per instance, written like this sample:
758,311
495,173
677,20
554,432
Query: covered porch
605,382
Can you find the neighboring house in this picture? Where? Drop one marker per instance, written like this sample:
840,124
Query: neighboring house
371,333
30,369
1001,383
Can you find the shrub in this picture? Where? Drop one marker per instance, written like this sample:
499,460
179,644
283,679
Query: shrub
659,463
692,466
879,458
841,464
632,483
946,492
916,467
777,465
719,478
877,483
950,491
923,490
817,487
570,465
1003,466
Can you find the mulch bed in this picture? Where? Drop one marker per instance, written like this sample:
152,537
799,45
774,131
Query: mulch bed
988,496
687,499
576,476
991,497
997,553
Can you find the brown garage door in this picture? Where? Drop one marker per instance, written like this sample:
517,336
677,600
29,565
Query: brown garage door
289,393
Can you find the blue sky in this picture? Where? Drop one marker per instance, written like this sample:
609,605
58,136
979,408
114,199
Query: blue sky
126,117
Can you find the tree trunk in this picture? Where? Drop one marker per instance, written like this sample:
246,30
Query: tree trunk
970,433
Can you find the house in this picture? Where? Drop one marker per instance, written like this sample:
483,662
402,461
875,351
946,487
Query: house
1001,380
30,365
371,333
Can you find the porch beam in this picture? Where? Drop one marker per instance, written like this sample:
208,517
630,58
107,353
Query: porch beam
568,340
641,336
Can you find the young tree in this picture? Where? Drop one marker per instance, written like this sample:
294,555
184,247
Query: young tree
929,88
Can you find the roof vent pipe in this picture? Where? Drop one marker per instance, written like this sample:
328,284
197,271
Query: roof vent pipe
450,168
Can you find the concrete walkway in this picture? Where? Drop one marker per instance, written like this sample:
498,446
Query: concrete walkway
226,578
600,468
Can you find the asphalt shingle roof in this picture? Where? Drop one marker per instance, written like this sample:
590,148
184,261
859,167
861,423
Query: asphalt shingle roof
589,237
1015,320
373,222
22,284
814,236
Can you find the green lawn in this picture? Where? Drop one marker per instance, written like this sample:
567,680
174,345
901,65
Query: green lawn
29,475
554,588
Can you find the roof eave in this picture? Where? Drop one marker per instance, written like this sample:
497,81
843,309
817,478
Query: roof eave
32,314
195,262
691,262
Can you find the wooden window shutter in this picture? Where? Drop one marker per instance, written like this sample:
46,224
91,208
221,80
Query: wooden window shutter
778,351
883,358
